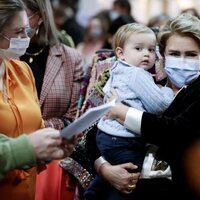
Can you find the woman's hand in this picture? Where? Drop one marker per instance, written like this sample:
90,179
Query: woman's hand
119,176
118,112
48,144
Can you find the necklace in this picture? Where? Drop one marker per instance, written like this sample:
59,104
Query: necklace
34,54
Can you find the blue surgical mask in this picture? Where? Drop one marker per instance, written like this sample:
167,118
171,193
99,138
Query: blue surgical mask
31,32
181,71
95,32
113,15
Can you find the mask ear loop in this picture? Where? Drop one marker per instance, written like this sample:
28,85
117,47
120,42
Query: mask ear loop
199,66
35,13
5,37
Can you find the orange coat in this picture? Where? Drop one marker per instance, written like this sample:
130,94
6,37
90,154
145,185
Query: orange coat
20,113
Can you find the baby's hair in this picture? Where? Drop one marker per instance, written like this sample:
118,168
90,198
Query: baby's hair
125,31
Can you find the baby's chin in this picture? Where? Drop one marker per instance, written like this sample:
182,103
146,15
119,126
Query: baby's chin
145,66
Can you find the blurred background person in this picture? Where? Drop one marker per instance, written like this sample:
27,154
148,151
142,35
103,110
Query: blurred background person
122,7
114,26
65,19
191,11
95,37
59,18
158,21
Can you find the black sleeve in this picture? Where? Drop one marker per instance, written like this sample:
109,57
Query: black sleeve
183,128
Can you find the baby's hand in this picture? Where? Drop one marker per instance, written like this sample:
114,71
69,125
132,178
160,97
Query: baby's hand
113,95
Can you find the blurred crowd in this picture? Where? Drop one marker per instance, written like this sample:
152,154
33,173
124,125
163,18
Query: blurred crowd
101,27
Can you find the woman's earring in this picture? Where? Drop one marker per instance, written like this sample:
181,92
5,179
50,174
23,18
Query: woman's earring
38,28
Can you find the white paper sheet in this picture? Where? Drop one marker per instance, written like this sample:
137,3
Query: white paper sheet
86,120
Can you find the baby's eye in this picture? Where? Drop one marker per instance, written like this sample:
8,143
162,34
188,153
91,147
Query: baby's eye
152,50
138,48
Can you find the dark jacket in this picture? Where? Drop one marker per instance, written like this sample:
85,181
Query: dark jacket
174,131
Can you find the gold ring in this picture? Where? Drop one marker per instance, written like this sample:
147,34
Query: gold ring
131,186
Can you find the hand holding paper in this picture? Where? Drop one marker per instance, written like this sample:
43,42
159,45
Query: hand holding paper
86,120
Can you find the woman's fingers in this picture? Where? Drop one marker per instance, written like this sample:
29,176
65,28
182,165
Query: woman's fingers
48,144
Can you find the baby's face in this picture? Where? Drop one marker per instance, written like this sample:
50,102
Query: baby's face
139,50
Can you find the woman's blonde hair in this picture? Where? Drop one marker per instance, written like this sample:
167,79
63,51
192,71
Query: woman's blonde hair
124,32
8,10
48,33
183,25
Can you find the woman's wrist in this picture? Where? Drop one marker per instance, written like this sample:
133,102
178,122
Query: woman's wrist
122,111
99,163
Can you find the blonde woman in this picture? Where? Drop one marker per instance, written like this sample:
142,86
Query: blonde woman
176,132
22,145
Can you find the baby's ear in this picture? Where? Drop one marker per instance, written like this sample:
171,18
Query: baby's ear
119,53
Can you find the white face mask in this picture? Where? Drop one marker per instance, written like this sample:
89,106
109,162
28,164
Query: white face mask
16,48
181,71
